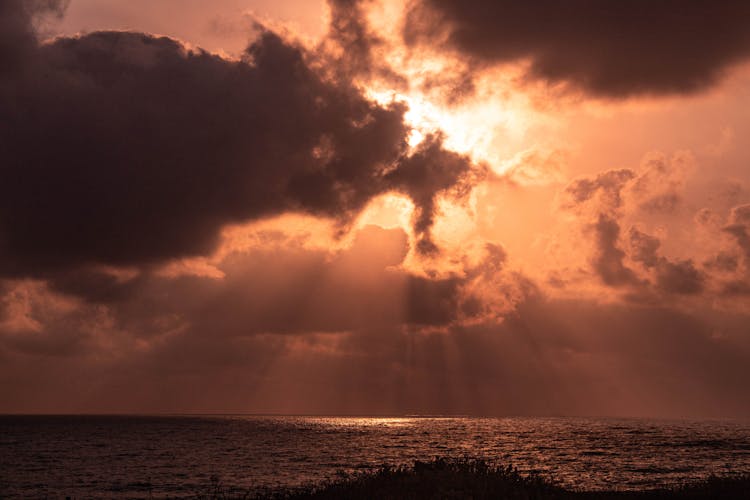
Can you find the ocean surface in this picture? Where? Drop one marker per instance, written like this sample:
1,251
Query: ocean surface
180,456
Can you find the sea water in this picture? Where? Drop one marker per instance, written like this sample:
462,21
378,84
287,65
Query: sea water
181,456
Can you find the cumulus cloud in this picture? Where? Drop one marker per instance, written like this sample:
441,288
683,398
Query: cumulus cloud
431,170
735,262
124,148
654,187
661,181
605,49
739,228
644,248
608,261
604,191
681,277
608,200
354,44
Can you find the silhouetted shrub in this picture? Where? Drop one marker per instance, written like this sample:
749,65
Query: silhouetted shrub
467,478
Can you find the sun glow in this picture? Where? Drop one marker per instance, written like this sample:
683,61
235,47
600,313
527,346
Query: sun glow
479,113
472,128
388,211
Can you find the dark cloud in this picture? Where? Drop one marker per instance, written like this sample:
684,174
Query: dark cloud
609,258
681,277
432,302
736,263
736,287
430,170
127,149
609,49
356,45
17,34
94,284
122,151
665,203
603,195
278,288
350,31
616,195
672,277
359,54
739,228
298,330
723,262
644,248
605,189
571,357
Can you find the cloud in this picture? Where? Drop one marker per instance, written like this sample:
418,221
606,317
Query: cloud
739,228
571,357
290,328
644,248
606,201
278,316
17,35
605,49
734,262
431,170
681,277
123,148
608,259
661,181
655,187
603,191
125,157
279,287
355,46
533,167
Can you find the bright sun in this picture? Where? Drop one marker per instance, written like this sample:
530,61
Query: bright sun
472,128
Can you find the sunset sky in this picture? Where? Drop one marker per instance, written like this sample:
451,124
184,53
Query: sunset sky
479,207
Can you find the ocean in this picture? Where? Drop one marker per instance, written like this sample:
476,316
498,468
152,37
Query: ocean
181,456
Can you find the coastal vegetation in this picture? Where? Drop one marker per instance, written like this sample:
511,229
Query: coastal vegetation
443,478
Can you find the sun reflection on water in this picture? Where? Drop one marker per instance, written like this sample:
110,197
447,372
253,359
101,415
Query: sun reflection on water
390,422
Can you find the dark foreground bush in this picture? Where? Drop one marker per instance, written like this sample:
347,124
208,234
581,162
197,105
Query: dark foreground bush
439,478
476,479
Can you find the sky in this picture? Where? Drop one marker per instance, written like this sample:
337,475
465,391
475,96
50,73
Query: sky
374,207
